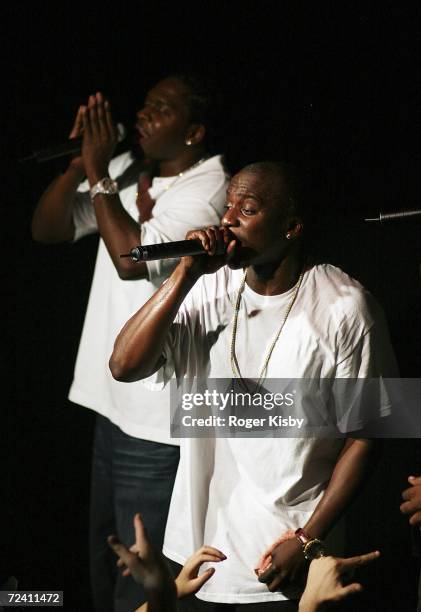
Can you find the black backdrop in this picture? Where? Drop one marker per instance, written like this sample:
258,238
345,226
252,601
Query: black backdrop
336,89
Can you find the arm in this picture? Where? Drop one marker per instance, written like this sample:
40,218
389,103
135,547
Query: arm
53,217
287,558
117,228
139,346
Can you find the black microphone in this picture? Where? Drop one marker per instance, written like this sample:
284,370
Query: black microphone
70,147
170,250
394,216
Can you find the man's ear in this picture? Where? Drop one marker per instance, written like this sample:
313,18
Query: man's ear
295,229
195,134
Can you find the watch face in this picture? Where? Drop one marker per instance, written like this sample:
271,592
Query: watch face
314,549
108,185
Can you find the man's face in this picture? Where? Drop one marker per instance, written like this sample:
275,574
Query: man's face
254,218
163,122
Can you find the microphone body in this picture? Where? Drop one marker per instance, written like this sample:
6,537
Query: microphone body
169,250
70,147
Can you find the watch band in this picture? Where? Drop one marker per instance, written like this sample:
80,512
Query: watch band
313,548
105,186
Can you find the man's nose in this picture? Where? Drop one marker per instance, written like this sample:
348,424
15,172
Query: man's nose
144,113
230,218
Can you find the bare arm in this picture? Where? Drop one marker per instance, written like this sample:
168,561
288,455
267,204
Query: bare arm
288,558
53,217
139,346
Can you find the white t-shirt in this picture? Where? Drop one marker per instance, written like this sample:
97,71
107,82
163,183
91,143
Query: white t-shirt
181,203
238,494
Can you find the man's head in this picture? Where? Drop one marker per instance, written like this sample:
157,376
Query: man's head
264,213
174,118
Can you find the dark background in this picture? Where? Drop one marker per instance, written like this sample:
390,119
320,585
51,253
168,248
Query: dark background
334,87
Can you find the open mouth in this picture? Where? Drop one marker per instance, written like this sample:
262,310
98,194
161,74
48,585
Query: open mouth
143,133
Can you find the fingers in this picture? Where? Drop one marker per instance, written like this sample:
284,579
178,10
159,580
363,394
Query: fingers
77,128
415,519
210,550
350,589
354,562
414,480
198,582
210,237
119,549
141,539
98,117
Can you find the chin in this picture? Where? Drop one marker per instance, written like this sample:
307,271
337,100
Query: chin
240,259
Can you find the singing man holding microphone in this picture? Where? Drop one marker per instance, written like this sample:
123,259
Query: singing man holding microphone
173,187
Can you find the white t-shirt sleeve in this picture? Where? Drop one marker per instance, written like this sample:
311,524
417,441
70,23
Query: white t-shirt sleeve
196,202
359,393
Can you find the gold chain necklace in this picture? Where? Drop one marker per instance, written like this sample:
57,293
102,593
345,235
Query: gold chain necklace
234,363
181,174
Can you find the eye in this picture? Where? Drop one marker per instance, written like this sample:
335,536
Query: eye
248,212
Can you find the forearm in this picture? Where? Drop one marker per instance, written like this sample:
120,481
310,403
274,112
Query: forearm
343,486
120,233
139,346
53,217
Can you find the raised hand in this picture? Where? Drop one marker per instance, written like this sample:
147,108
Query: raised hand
100,137
219,244
412,501
77,132
324,582
188,581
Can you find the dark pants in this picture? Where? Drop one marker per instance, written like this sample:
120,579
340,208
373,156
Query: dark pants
193,604
128,476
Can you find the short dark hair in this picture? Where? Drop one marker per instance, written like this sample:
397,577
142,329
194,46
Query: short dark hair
201,102
287,183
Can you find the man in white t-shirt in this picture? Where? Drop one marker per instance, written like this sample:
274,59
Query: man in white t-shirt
175,187
268,314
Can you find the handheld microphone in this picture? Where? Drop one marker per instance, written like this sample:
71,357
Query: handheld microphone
169,250
70,147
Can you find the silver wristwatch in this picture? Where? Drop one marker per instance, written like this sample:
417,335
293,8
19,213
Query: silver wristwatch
106,186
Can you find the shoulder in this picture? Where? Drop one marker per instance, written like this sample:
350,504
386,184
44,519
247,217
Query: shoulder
208,177
342,296
213,291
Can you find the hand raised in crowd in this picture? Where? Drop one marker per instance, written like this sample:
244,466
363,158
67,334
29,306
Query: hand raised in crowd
149,568
100,136
412,501
324,582
188,580
144,563
219,244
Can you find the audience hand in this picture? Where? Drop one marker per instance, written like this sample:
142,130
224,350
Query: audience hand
412,503
188,581
142,561
324,580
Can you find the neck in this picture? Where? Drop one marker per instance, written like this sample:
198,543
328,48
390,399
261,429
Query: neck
186,159
275,278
